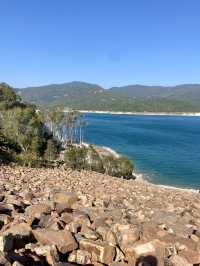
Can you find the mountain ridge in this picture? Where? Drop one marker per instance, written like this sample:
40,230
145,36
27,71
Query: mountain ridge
89,96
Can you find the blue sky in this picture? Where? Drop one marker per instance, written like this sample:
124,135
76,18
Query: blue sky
109,42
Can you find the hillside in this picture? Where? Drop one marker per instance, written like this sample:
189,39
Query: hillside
138,98
185,92
63,217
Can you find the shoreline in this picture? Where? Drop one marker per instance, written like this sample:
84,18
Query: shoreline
141,113
141,179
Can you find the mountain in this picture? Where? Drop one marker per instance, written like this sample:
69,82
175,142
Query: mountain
138,98
185,92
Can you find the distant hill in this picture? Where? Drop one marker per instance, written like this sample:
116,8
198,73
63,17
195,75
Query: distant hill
139,98
185,92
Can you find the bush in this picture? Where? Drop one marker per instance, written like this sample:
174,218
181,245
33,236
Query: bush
94,161
51,152
88,158
119,167
76,158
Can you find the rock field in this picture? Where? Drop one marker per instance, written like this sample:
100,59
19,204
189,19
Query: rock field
62,217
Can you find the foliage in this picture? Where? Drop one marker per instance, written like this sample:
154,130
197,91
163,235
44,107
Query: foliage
51,152
76,158
85,96
23,125
33,138
8,97
8,148
66,127
22,131
79,158
119,167
94,160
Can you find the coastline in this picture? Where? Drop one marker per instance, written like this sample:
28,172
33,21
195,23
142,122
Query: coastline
140,113
141,179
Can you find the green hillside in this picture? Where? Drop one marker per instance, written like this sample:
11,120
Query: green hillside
86,96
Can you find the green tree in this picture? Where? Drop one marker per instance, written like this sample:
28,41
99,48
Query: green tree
51,152
76,158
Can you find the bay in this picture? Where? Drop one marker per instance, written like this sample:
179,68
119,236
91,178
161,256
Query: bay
165,149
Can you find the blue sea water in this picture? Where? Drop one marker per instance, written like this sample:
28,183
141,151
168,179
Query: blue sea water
165,149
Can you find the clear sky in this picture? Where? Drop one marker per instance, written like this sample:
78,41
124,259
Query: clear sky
109,42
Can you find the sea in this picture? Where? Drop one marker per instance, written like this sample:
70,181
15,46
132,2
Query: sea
164,149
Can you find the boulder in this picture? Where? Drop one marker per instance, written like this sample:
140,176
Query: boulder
100,251
64,197
179,261
35,212
191,256
139,250
15,237
62,239
3,260
88,232
81,257
6,243
50,252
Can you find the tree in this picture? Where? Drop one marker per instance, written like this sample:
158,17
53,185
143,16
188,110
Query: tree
66,127
75,158
51,152
8,97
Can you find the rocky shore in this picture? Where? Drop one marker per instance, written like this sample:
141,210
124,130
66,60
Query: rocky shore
62,217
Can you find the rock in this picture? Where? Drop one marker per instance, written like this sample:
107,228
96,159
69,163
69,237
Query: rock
111,238
100,251
22,230
194,238
3,260
127,236
67,217
81,257
6,243
49,222
67,198
179,261
35,212
16,263
116,222
6,208
5,219
15,237
50,252
62,208
63,239
191,256
119,255
115,263
88,233
141,250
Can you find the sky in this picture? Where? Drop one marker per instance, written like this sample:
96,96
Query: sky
108,42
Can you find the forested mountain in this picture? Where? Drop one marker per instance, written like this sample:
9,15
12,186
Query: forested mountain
139,98
188,92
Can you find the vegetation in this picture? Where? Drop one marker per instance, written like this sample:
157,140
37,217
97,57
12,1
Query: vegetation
86,158
67,127
85,96
23,134
36,138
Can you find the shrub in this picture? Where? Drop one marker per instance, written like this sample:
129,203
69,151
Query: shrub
51,152
76,157
119,167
